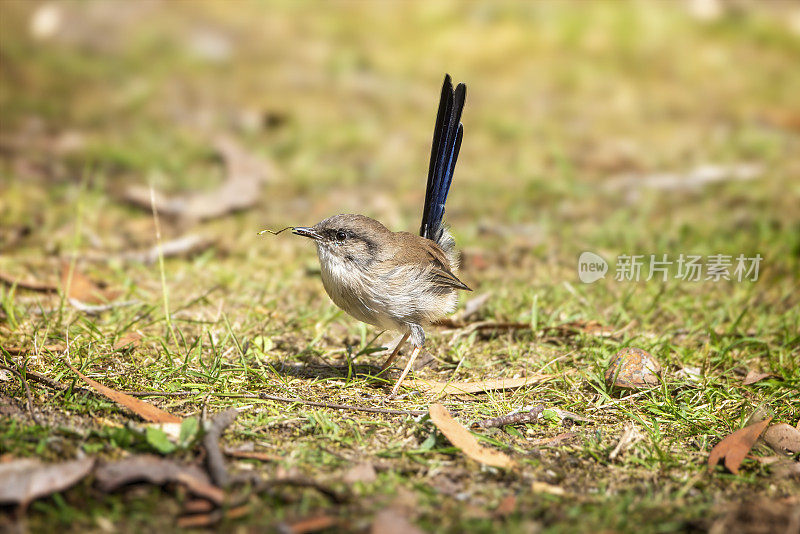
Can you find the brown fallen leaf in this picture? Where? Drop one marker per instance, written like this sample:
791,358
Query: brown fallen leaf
26,480
128,341
783,438
734,447
159,471
461,438
146,411
450,388
393,521
753,377
632,368
79,287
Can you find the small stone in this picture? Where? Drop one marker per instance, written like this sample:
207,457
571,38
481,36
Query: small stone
632,368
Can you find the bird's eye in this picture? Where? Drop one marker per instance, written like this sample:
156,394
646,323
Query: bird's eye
341,235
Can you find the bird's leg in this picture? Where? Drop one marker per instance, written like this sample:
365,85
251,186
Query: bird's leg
406,370
394,354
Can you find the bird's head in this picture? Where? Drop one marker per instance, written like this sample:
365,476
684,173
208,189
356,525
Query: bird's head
347,239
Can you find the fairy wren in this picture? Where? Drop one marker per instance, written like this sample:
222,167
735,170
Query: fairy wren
398,280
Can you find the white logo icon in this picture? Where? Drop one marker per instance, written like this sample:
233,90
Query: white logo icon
591,267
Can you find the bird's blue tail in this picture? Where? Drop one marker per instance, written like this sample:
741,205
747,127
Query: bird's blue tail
447,136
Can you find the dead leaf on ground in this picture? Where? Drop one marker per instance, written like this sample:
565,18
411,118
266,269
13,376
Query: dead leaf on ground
456,388
754,376
735,446
26,480
461,438
79,287
783,438
131,340
392,521
245,174
632,368
159,471
146,411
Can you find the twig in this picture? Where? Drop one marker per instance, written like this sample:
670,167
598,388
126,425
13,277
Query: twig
10,280
214,457
512,418
27,392
341,406
263,396
161,393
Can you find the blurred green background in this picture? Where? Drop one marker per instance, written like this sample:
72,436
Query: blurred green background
613,127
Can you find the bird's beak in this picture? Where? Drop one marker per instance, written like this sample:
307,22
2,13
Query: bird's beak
306,232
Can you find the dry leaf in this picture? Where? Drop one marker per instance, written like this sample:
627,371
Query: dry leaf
753,377
392,521
460,437
736,446
26,480
146,411
449,388
632,368
158,471
130,340
783,438
79,287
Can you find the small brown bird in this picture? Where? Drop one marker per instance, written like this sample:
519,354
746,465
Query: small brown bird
398,280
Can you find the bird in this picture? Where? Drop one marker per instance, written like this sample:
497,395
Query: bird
399,280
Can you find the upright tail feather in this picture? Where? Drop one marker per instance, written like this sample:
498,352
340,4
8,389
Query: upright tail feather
447,136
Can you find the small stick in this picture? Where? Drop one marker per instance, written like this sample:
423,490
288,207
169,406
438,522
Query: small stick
275,233
27,392
263,396
512,418
214,456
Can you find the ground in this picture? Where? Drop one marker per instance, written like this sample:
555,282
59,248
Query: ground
621,129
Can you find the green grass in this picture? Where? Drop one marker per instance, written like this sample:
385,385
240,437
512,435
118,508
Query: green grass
562,100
